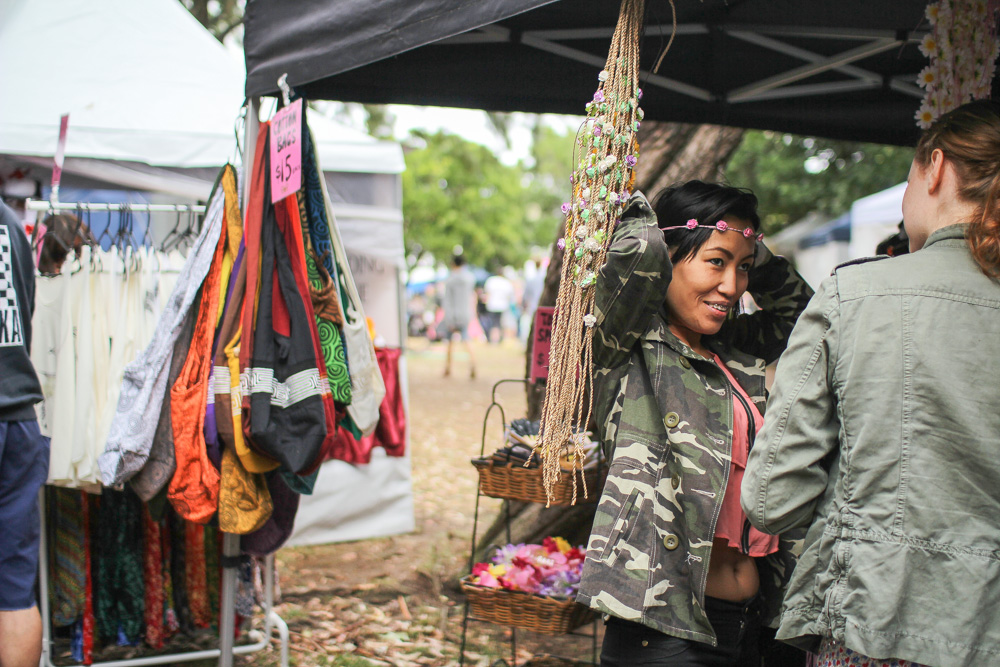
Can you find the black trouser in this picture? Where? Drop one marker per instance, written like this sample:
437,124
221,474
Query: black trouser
736,625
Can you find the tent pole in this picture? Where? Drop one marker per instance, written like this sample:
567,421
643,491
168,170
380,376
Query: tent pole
230,542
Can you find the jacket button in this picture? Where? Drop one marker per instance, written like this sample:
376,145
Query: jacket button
672,419
685,363
675,480
645,642
671,542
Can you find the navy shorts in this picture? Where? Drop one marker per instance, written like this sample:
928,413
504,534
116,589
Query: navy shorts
24,467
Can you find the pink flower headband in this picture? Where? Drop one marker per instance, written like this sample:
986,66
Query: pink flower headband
721,226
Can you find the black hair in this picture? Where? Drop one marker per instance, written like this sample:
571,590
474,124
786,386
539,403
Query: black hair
64,233
458,260
708,203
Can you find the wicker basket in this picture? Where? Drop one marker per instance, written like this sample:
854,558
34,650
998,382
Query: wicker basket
538,613
513,481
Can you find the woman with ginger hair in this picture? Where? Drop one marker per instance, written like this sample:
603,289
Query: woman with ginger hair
883,429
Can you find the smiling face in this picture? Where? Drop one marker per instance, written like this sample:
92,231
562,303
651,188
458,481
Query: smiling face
707,285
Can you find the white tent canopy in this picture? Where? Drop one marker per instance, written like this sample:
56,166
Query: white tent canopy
142,82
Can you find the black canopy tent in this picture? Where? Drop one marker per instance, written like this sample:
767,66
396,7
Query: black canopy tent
843,70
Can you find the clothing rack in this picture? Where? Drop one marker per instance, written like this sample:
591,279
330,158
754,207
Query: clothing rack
45,205
230,542
272,621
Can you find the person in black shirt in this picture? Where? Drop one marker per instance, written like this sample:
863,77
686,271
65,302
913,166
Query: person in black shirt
24,452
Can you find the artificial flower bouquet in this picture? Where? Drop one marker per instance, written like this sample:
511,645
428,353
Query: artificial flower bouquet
530,586
551,568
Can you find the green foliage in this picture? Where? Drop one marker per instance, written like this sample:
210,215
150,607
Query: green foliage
458,192
220,17
548,179
774,166
379,121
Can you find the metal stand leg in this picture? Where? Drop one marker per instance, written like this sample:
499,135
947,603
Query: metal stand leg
227,629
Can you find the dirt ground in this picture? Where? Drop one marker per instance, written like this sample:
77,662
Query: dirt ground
395,601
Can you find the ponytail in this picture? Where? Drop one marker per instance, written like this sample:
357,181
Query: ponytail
984,232
969,137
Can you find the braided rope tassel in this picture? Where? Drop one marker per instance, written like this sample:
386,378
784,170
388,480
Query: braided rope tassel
606,155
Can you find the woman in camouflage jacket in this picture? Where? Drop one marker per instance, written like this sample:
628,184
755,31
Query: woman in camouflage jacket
676,591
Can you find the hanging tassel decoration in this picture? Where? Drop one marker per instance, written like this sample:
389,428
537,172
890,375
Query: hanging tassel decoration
602,182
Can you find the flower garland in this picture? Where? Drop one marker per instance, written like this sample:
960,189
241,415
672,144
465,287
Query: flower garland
604,174
962,47
550,568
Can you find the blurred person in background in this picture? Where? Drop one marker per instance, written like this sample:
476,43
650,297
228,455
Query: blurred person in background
459,297
24,452
499,296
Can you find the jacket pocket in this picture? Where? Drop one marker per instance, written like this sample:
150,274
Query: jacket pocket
621,528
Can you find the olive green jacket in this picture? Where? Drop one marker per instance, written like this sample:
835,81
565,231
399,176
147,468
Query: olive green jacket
666,414
883,437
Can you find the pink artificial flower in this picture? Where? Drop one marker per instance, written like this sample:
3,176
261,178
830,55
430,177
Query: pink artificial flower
691,224
630,160
488,580
748,232
523,578
566,207
599,96
721,225
561,243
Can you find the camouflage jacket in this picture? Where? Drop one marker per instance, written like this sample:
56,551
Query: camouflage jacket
664,414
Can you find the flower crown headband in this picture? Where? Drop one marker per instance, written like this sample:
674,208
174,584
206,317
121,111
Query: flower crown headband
720,226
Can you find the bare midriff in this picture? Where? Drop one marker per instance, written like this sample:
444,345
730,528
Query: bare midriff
731,575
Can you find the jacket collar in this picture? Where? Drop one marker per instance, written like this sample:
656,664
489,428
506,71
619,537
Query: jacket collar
659,331
949,232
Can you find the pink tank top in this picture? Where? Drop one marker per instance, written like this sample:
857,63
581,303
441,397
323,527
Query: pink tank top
732,525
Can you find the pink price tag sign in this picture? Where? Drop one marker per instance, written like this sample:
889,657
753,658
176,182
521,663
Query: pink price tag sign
541,343
286,151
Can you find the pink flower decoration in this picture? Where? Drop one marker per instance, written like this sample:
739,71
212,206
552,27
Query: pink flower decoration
691,224
599,96
748,232
638,93
721,225
561,243
760,237
597,131
630,160
488,580
566,207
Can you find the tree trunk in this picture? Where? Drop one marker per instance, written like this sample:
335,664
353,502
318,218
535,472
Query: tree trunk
550,290
672,152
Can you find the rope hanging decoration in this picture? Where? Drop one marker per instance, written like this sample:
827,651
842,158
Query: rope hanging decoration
604,174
